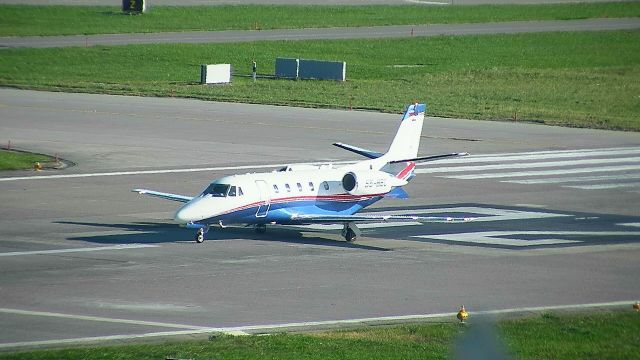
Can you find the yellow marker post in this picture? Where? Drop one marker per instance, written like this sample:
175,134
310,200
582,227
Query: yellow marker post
462,314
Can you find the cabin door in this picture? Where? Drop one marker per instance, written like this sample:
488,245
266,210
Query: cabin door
265,198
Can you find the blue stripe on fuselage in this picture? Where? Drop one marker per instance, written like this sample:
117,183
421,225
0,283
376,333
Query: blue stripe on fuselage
281,212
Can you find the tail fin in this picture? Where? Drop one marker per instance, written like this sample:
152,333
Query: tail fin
407,140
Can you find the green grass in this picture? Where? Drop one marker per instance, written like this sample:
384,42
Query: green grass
12,160
600,336
17,20
581,79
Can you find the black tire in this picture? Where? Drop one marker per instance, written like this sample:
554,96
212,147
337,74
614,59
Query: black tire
200,236
350,236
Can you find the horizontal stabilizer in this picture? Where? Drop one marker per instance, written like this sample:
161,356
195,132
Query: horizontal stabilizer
397,193
430,158
360,151
167,196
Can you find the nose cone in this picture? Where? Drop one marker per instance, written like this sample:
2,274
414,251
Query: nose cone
188,213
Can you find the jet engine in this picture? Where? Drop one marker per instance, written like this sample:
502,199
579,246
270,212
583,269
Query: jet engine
369,182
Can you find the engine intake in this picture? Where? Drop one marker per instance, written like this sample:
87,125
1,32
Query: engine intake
367,182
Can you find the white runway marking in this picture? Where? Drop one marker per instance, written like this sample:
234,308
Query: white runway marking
62,251
545,172
504,237
427,2
312,324
604,186
630,224
564,166
539,155
530,165
574,179
143,172
491,214
98,319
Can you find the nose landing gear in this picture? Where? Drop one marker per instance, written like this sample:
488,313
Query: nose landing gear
200,234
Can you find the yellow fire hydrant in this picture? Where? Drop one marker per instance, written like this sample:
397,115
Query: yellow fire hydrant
462,314
636,306
37,166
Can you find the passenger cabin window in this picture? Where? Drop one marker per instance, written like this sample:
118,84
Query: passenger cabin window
299,187
232,191
287,187
217,190
311,187
275,188
240,193
326,185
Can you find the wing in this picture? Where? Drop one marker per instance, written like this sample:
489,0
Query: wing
332,219
167,196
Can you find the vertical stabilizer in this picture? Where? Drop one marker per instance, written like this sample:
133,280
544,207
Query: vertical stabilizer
407,140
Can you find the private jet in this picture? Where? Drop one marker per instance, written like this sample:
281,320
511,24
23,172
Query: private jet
306,194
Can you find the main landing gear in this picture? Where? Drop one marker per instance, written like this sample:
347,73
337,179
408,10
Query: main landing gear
350,232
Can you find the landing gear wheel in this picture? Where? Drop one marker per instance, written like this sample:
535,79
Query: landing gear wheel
200,236
261,228
350,235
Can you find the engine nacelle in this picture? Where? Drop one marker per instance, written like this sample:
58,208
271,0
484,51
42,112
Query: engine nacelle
369,182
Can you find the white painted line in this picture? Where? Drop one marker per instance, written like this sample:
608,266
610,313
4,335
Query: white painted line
62,251
545,172
504,237
315,324
529,165
98,318
538,155
143,172
604,186
630,224
574,179
427,2
491,214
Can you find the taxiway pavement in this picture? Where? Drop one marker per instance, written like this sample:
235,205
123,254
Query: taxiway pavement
83,257
369,32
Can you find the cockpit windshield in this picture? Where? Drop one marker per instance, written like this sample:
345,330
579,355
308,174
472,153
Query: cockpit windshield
217,190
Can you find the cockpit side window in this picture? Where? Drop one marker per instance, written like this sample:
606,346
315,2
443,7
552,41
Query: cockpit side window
326,185
240,193
232,191
217,190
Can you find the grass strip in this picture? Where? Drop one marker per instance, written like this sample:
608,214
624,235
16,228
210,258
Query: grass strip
578,79
20,20
15,160
610,335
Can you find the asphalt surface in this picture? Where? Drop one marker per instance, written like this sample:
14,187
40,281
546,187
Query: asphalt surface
83,257
327,33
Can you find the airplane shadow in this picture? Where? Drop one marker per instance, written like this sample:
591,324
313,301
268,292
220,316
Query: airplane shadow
155,233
